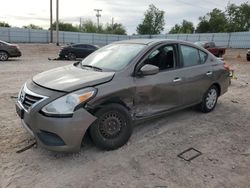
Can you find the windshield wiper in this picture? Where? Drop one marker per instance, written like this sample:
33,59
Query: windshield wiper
92,67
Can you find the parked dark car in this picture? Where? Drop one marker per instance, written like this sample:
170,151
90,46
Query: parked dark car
115,86
211,47
8,50
248,55
74,51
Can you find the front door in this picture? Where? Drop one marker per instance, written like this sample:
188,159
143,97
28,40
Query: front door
160,92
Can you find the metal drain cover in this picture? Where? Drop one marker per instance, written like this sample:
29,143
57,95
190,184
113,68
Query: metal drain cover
189,154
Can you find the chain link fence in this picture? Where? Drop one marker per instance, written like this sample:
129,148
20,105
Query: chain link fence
20,35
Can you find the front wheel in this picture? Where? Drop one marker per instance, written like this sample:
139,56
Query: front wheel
209,100
113,127
4,56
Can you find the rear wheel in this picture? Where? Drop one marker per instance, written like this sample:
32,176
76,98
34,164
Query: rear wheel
248,58
209,100
71,56
4,56
113,127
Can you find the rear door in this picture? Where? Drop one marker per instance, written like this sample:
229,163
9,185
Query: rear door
197,73
80,50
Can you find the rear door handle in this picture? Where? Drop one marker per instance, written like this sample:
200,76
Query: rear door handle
177,80
209,73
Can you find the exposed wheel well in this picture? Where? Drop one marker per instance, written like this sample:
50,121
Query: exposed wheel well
110,101
5,52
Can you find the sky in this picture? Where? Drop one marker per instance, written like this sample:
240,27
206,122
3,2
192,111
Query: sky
128,12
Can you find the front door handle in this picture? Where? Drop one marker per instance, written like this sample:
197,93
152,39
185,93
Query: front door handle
209,73
177,80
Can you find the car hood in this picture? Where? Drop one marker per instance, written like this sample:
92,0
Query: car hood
69,78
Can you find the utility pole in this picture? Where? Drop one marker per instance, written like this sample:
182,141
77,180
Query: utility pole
51,20
112,24
80,26
98,15
57,22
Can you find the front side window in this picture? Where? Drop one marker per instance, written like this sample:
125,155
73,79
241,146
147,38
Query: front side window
113,57
163,57
190,56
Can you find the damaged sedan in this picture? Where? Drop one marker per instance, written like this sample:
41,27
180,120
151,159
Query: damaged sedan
115,86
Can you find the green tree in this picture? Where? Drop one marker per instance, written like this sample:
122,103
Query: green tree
184,27
4,24
32,26
238,17
116,28
65,27
153,22
217,21
203,26
88,26
214,22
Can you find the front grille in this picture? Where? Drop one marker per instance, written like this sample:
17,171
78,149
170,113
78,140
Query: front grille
29,100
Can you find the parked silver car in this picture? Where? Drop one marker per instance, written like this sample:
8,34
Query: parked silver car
116,85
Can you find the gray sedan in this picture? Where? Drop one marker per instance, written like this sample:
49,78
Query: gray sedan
115,86
8,50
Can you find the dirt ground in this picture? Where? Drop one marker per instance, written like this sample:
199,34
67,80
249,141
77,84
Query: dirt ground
150,157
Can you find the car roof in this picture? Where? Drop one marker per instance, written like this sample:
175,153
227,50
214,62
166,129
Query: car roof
82,44
151,41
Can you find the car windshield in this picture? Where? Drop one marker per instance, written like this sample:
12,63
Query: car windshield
113,57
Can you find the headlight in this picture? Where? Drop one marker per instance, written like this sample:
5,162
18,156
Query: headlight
66,105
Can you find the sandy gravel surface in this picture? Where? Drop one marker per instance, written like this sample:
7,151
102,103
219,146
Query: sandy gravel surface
150,158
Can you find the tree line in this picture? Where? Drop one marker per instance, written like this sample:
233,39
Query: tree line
87,26
233,19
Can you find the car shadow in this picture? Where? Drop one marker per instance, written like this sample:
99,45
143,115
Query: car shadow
11,60
141,128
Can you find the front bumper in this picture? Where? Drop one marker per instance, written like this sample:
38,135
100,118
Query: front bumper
55,133
248,55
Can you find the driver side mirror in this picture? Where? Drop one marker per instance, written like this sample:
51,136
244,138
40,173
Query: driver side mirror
149,70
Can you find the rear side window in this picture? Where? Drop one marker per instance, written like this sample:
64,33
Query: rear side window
80,46
190,56
90,47
203,56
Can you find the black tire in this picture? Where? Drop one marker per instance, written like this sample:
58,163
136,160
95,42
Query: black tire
4,56
71,56
113,127
248,58
209,101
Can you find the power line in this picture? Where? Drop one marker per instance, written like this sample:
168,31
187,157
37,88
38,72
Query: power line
192,5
